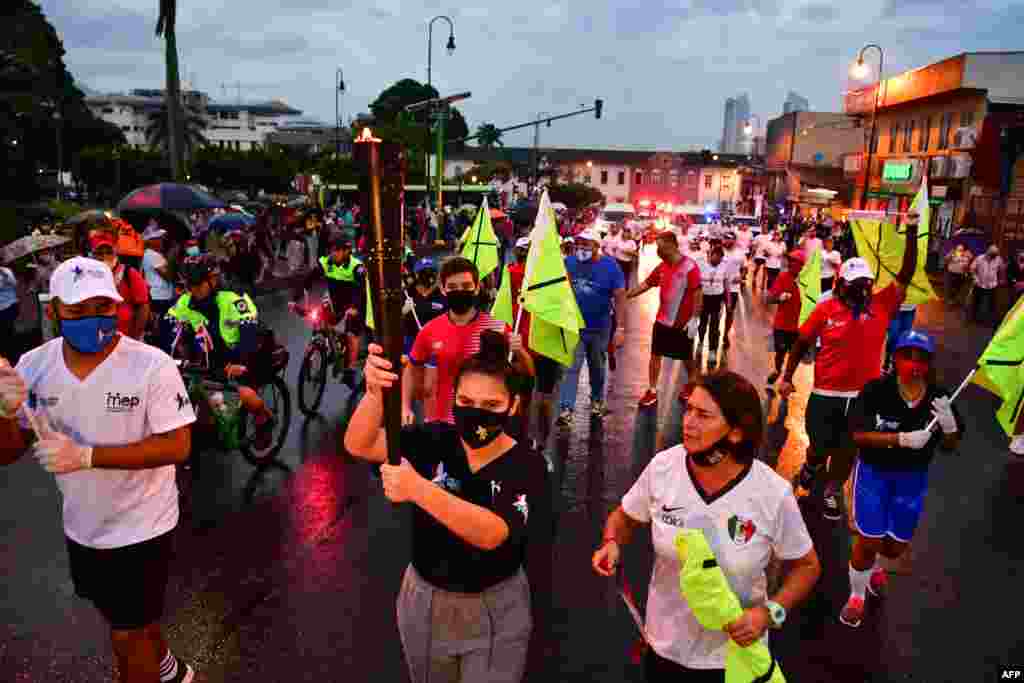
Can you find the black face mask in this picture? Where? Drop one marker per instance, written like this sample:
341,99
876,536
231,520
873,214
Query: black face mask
478,427
713,454
461,301
857,297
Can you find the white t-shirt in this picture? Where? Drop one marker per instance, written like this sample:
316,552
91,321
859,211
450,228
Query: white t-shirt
159,288
775,251
760,244
749,522
830,262
618,248
136,392
713,278
744,238
737,258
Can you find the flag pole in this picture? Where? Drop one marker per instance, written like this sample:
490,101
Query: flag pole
967,379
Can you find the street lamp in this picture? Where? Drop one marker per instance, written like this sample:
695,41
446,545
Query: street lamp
339,83
450,47
860,70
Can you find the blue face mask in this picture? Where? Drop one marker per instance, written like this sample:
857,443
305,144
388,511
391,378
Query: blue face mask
89,335
192,251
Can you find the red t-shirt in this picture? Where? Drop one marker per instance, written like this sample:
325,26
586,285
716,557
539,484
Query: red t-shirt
851,350
449,345
679,285
517,271
787,315
133,289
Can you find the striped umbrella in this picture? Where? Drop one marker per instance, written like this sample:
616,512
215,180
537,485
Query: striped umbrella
171,196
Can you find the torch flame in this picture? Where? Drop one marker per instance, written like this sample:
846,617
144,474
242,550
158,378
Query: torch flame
367,136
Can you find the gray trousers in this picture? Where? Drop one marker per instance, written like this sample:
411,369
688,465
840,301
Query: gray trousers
464,637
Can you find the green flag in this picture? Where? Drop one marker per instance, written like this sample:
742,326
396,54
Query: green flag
502,309
369,305
481,246
1001,367
809,282
547,294
882,245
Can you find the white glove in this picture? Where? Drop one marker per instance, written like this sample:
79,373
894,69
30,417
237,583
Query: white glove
13,391
692,328
59,453
915,440
942,410
407,306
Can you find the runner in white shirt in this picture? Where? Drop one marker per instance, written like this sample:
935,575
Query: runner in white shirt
157,273
830,262
760,256
774,251
715,272
112,418
810,243
736,256
620,247
748,513
744,237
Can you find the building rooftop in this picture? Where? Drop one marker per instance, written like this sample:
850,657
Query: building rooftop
569,155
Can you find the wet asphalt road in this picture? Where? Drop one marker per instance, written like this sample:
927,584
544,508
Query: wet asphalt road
289,573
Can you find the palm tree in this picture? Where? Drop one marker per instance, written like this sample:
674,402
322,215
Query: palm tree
165,26
488,136
193,128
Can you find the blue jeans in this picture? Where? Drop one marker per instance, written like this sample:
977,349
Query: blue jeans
593,346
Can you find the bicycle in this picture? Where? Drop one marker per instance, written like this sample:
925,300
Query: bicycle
233,425
327,347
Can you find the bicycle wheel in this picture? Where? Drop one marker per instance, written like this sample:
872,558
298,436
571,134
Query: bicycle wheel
275,395
313,378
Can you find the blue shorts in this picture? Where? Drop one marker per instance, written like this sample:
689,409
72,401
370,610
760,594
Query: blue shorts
887,502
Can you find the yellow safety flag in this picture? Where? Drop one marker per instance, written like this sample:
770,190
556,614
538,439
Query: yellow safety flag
481,245
1001,367
809,283
502,309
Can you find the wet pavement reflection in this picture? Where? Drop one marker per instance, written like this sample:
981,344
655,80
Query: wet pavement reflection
289,572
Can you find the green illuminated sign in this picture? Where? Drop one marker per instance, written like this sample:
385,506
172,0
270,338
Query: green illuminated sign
898,172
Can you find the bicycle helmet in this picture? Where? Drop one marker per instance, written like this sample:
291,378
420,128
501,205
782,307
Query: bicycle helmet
913,339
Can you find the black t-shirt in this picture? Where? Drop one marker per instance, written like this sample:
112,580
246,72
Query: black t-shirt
427,308
513,487
880,408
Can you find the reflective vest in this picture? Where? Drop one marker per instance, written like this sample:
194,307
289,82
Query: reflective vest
340,273
234,311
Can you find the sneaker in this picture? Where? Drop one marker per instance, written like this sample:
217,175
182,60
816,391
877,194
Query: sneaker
853,612
772,379
564,418
599,409
832,511
649,399
878,583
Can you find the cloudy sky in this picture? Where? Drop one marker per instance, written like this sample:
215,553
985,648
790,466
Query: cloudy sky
663,67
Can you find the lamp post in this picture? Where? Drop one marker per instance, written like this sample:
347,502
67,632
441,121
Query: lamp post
859,70
450,47
339,87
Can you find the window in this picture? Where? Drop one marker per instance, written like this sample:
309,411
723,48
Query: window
707,182
894,137
622,178
945,128
639,179
908,136
604,177
926,132
966,119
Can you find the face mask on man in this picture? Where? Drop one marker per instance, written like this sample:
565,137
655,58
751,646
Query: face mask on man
460,301
192,251
92,334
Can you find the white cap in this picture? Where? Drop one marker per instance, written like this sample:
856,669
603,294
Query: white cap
590,235
153,231
523,242
854,269
81,278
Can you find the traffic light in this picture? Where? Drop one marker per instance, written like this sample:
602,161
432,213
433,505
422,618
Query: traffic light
598,106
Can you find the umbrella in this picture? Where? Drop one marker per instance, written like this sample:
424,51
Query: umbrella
30,244
497,213
177,226
169,196
90,216
231,221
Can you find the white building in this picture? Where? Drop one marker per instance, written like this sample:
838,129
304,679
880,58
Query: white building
230,126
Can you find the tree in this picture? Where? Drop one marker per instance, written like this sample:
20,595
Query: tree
574,195
165,26
193,125
488,136
390,105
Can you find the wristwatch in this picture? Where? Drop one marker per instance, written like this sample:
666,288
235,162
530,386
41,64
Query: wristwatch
777,613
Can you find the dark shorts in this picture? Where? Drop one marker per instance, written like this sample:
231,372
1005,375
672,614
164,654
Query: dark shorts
657,669
759,260
671,342
126,584
548,373
827,425
784,340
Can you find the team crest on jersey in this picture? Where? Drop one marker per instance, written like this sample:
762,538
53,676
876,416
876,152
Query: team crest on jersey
442,479
522,506
741,529
241,306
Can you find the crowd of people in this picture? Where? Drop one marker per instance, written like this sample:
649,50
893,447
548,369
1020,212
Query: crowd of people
478,407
